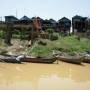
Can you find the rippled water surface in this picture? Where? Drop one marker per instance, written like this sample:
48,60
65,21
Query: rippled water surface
31,76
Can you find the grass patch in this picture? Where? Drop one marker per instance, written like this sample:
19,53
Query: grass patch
68,44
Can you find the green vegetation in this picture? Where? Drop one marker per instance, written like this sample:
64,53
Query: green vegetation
44,47
2,34
50,32
52,35
42,43
20,34
3,52
68,44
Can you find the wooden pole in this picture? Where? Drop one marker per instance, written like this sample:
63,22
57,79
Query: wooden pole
8,34
32,36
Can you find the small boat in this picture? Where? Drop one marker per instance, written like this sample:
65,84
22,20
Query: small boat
71,59
9,59
38,59
87,58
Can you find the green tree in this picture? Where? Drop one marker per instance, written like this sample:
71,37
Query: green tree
50,32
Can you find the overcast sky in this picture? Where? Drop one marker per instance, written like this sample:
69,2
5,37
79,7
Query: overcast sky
55,9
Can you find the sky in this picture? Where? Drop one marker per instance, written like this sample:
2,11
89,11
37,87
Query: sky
46,9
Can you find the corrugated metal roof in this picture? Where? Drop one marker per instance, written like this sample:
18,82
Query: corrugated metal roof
88,20
25,18
52,21
10,18
78,17
64,19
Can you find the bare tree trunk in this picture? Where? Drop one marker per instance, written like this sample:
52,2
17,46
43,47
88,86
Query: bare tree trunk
8,34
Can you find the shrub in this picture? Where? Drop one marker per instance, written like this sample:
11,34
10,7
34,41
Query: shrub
53,37
42,43
3,52
50,31
72,53
2,34
57,48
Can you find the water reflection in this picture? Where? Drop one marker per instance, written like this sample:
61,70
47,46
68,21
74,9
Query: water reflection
31,76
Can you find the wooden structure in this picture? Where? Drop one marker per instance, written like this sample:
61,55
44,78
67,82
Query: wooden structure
87,58
10,19
39,59
87,24
64,25
9,59
53,24
87,27
32,27
46,24
78,24
71,59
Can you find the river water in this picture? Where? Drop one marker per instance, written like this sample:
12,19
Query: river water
32,76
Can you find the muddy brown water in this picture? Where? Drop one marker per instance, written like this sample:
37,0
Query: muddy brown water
32,76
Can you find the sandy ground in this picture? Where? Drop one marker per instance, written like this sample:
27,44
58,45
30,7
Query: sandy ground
18,47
